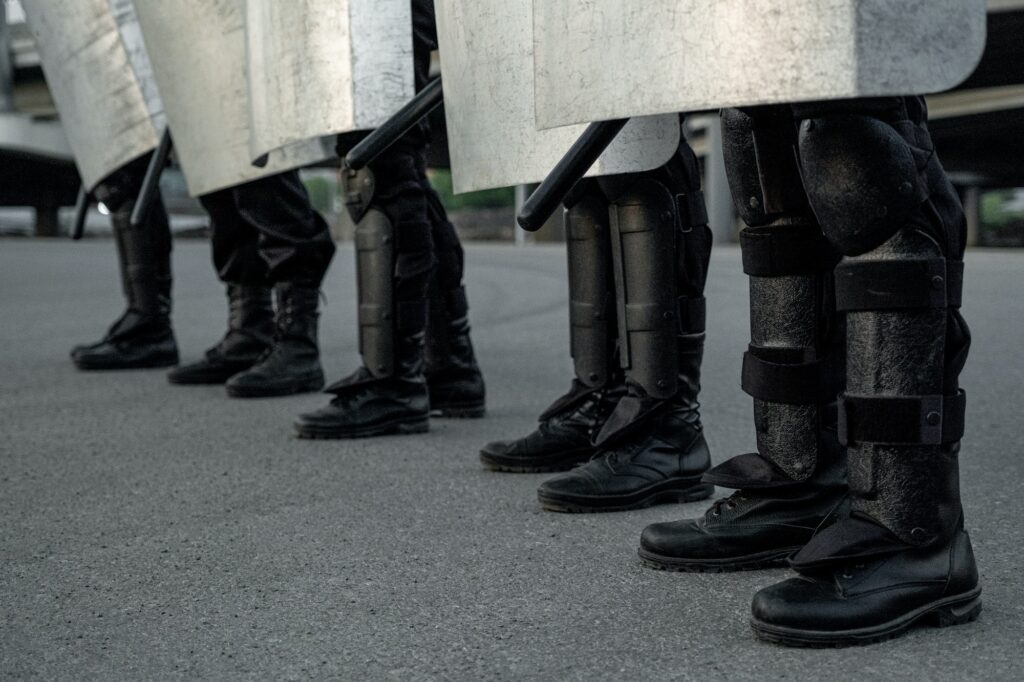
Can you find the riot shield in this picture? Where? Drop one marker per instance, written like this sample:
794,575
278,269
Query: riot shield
197,48
322,67
608,59
96,67
487,63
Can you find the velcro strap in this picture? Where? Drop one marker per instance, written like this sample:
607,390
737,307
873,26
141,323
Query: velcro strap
902,420
785,251
693,211
899,285
367,240
642,317
692,314
787,375
412,315
585,314
413,236
373,315
457,303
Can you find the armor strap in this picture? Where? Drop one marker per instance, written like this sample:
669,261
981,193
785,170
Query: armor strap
692,210
785,250
793,376
902,420
899,285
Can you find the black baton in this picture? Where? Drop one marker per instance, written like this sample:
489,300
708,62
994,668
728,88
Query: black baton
82,205
151,183
389,132
570,170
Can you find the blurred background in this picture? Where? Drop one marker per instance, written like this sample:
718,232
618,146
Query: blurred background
979,130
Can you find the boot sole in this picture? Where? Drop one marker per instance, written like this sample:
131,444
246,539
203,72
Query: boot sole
679,490
154,363
956,610
469,410
403,427
752,562
254,392
563,463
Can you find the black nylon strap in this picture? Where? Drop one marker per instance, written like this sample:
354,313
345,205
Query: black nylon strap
785,250
787,375
693,314
902,420
899,285
693,211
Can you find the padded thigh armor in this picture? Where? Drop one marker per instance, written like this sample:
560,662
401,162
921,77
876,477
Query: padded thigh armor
861,177
591,315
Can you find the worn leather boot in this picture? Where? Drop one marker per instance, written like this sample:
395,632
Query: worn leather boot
365,406
142,337
292,365
454,380
661,457
250,335
562,439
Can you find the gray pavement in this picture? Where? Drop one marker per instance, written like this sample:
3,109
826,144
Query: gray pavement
150,531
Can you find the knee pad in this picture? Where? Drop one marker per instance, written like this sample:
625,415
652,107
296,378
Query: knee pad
861,178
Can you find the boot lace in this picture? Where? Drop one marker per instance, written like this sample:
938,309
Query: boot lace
727,503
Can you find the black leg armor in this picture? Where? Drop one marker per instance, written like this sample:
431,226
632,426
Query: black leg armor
564,434
793,370
875,183
651,448
142,336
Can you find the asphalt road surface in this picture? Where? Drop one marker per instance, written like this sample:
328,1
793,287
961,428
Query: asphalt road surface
151,531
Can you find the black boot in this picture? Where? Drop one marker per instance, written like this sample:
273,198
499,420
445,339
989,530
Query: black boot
454,380
563,438
250,335
658,458
388,394
292,365
142,337
901,555
796,482
366,406
754,527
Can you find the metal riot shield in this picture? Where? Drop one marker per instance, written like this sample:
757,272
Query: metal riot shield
96,67
197,48
609,59
322,67
487,64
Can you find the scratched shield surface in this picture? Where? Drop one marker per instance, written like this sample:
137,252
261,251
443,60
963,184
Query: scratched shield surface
608,59
487,63
197,49
95,65
318,68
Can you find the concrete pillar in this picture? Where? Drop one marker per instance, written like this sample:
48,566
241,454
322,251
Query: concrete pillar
47,221
6,68
721,214
972,209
